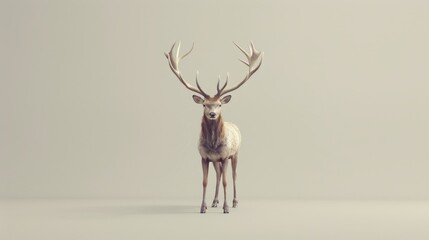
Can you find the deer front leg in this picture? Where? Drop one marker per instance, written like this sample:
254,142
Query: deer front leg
217,167
234,178
224,167
205,165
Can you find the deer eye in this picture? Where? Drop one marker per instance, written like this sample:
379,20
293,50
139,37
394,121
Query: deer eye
204,105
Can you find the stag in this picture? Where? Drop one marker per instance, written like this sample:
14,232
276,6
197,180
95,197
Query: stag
219,140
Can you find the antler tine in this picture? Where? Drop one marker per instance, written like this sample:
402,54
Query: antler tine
173,62
218,82
186,54
198,86
219,90
252,60
245,53
226,82
177,52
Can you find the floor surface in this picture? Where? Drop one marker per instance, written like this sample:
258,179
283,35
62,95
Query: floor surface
150,220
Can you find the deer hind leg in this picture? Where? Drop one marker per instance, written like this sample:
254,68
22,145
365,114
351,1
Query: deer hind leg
224,167
205,165
218,168
234,178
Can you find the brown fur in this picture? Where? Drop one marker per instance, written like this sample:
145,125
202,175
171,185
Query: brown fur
212,132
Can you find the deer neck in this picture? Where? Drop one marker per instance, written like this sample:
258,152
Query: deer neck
212,132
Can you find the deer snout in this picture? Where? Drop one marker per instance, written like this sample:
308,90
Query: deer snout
212,114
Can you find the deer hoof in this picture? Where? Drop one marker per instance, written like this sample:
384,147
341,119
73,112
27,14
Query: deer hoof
225,209
234,203
215,203
203,208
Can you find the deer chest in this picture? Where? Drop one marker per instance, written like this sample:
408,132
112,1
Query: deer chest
213,151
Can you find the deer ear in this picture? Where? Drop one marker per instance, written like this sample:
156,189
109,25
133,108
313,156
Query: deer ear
225,99
198,99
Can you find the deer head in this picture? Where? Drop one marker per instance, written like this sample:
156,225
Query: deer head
212,104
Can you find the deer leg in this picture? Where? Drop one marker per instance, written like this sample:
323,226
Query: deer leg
205,164
224,167
218,170
234,177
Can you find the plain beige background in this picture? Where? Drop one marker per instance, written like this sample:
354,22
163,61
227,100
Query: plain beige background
338,110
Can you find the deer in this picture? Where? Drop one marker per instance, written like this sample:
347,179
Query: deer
219,141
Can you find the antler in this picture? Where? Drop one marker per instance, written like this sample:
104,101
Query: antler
174,65
252,59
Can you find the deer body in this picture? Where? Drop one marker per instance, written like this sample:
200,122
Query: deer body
219,141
